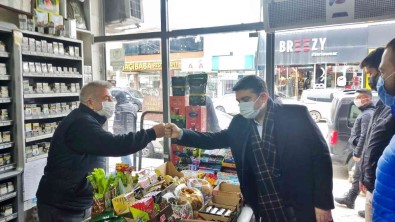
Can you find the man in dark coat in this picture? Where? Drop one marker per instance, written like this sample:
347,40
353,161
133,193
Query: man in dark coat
79,145
282,159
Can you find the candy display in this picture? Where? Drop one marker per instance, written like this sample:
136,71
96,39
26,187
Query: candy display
162,194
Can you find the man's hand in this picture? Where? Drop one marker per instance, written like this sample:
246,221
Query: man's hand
362,187
159,130
172,131
356,159
323,215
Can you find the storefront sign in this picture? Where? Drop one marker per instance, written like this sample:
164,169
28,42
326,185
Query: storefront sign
149,66
321,46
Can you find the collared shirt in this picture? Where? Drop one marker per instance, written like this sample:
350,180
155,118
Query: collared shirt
259,127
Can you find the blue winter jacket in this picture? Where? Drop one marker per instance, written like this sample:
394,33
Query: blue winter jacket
384,193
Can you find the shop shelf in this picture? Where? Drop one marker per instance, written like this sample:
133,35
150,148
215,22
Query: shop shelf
30,159
4,54
48,95
52,75
5,100
8,171
35,138
5,77
46,116
9,218
52,37
6,123
7,197
51,56
6,145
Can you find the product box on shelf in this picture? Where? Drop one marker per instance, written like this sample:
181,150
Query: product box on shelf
25,67
36,129
28,130
179,86
44,46
38,46
180,121
56,87
46,87
196,118
36,111
58,108
32,45
26,86
175,153
50,48
25,44
32,67
4,92
52,108
55,48
38,87
61,48
71,50
63,88
6,136
178,105
28,110
50,68
65,107
77,51
44,67
45,109
35,150
3,69
47,128
4,115
38,67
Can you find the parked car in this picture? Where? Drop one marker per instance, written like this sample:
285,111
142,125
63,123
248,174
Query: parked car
342,119
319,102
132,98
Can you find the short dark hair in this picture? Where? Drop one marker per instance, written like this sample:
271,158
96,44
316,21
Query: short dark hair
373,60
391,45
254,83
365,91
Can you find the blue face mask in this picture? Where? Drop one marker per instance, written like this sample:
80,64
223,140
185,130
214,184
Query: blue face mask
385,96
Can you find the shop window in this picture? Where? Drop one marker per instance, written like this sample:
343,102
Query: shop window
353,114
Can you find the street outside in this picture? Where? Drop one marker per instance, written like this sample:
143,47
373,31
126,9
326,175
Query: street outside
340,184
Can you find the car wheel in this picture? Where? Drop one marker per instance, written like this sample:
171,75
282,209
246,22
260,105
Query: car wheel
221,108
315,115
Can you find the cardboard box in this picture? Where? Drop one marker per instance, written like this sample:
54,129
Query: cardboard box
178,105
212,217
173,150
196,118
227,189
227,201
169,169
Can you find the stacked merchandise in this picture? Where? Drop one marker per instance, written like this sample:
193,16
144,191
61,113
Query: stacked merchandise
188,112
163,194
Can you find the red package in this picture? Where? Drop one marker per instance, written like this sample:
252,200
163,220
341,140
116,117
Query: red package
196,118
146,204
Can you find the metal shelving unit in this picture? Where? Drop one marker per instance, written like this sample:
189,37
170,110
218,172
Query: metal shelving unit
33,166
12,171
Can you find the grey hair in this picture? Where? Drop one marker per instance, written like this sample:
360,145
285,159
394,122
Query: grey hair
90,89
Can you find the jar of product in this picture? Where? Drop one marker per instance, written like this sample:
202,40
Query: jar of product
192,196
7,158
202,185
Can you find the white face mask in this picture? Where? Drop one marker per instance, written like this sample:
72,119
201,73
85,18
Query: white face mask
358,102
247,109
107,110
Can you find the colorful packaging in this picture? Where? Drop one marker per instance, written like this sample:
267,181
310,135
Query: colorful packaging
196,118
178,104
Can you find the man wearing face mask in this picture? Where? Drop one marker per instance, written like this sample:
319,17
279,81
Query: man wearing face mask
282,160
363,100
378,135
79,145
384,191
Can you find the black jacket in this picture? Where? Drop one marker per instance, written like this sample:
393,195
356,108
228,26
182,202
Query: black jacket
358,131
380,132
77,147
306,168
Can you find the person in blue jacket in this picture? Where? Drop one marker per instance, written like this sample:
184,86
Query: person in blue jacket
384,193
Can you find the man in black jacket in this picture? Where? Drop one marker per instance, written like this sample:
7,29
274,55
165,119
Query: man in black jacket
282,160
363,100
78,146
380,131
